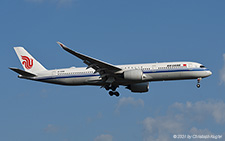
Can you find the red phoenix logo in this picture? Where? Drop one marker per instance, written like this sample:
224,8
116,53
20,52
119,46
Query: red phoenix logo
28,62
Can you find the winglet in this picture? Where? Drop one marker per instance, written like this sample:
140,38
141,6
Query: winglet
61,44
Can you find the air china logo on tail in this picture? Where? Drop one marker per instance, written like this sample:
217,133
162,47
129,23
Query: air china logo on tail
28,62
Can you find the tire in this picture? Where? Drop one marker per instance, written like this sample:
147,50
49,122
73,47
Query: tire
117,94
198,85
111,93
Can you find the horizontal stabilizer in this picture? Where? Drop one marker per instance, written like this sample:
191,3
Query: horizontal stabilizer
22,72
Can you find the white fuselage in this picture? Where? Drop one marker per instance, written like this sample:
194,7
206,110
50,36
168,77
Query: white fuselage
151,72
135,77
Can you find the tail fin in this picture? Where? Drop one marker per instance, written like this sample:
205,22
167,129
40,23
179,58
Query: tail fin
28,62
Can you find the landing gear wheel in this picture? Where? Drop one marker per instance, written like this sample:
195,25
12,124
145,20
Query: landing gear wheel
113,88
107,87
111,93
117,94
198,85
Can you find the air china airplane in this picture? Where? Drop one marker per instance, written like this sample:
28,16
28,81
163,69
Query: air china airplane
135,77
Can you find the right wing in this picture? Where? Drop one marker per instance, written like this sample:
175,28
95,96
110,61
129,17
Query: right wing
103,68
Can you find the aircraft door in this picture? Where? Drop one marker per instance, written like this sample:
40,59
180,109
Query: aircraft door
54,74
190,66
154,68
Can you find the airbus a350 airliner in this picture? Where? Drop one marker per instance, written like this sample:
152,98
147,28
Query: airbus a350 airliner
135,77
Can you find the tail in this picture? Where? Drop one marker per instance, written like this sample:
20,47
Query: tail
28,62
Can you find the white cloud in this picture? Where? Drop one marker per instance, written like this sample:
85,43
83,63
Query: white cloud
95,118
222,71
201,109
104,137
51,128
196,131
162,128
129,101
180,119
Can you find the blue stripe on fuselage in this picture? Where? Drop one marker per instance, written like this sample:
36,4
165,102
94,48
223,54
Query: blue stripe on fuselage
145,72
69,76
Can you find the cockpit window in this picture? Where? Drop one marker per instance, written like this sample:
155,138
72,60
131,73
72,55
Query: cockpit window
202,66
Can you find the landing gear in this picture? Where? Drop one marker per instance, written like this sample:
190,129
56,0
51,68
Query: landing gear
117,94
198,82
113,88
107,87
111,93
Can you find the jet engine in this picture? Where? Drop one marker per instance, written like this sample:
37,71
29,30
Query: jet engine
139,87
133,75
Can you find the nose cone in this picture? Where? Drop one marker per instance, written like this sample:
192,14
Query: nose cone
209,73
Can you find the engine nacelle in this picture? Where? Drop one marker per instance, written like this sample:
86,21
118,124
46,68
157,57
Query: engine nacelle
133,75
139,87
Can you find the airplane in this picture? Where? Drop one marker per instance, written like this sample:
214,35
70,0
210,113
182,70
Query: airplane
135,77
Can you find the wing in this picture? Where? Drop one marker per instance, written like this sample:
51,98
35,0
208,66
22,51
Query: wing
103,68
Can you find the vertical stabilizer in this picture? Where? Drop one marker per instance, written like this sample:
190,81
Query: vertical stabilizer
29,63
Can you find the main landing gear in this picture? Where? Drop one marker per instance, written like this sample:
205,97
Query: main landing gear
111,93
113,88
198,84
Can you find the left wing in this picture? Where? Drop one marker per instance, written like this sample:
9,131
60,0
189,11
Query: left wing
103,68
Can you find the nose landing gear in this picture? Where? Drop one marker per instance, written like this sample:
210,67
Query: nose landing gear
198,82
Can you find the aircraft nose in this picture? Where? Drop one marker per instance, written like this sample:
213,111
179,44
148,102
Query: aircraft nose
209,73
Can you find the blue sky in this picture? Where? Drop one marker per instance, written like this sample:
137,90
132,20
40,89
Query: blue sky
118,32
